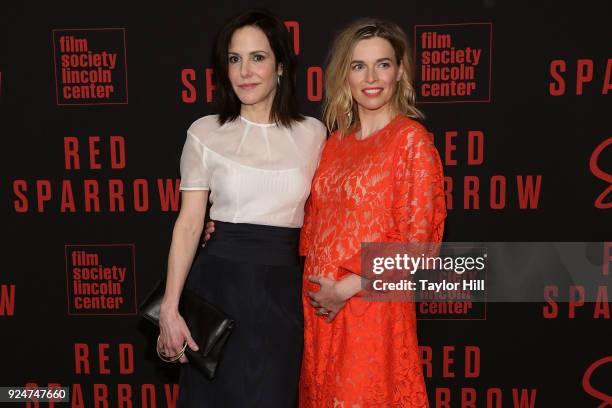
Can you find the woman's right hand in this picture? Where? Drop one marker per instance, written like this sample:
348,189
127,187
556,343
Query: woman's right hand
173,333
210,228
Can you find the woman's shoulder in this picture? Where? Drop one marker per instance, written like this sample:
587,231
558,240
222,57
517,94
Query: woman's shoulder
314,127
409,131
407,124
204,125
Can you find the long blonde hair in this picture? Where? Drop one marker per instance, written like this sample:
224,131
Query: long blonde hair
339,111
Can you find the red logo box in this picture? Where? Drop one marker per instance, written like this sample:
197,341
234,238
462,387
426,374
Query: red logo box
453,62
90,66
101,279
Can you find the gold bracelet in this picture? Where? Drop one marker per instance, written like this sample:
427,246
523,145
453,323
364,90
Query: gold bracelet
170,359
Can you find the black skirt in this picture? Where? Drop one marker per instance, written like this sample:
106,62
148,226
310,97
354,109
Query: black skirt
253,273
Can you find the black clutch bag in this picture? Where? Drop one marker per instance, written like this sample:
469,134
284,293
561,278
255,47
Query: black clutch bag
209,326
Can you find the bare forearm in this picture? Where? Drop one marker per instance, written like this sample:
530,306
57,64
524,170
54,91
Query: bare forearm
182,250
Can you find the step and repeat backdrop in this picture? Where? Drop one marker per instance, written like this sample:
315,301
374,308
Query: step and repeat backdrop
95,101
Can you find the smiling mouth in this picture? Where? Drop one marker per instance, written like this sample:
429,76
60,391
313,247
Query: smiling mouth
372,91
247,86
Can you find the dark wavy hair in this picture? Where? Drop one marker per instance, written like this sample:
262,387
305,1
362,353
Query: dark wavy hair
284,107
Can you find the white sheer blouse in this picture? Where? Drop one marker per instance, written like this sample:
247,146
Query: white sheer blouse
256,173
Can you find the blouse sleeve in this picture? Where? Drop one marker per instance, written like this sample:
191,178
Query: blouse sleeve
194,173
306,232
310,210
418,206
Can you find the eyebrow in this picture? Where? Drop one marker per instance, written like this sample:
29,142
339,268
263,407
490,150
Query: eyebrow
251,53
378,60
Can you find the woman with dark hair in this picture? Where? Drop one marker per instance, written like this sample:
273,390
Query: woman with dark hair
256,157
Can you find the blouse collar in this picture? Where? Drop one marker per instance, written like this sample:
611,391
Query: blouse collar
255,123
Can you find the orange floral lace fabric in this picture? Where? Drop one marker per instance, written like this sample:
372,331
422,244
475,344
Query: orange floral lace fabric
387,187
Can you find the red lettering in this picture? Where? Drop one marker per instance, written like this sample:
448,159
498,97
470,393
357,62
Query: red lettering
210,84
71,152
77,397
448,192
124,395
468,398
52,386
21,204
551,310
472,362
67,201
115,195
443,396
497,393
294,28
117,152
558,88
31,386
169,194
602,306
584,74
94,152
426,360
7,300
314,82
447,361
81,358
527,192
475,155
470,190
574,301
147,392
498,189
605,398
600,174
607,84
91,195
607,258
126,358
171,394
450,147
188,95
527,398
100,392
103,357
141,195
43,193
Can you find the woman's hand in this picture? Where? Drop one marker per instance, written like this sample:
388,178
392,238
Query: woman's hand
173,334
210,228
333,295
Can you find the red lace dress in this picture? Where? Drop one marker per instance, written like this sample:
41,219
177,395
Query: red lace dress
387,187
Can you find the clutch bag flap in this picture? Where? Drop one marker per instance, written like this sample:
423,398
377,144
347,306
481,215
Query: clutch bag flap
208,325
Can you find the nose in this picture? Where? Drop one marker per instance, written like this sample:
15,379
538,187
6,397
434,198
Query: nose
245,69
372,75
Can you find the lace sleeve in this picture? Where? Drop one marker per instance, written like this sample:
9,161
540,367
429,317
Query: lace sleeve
418,207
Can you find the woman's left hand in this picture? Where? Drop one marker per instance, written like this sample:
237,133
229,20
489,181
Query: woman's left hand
328,301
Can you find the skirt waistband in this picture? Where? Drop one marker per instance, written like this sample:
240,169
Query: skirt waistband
259,244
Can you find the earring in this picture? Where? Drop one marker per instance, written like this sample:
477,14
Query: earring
278,79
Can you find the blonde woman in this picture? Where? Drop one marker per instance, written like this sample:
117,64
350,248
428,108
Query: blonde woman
379,179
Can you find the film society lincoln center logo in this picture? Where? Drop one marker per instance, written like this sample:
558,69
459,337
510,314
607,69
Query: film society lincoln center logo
453,62
90,66
100,279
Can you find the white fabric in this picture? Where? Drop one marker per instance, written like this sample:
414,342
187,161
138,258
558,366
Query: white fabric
256,173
